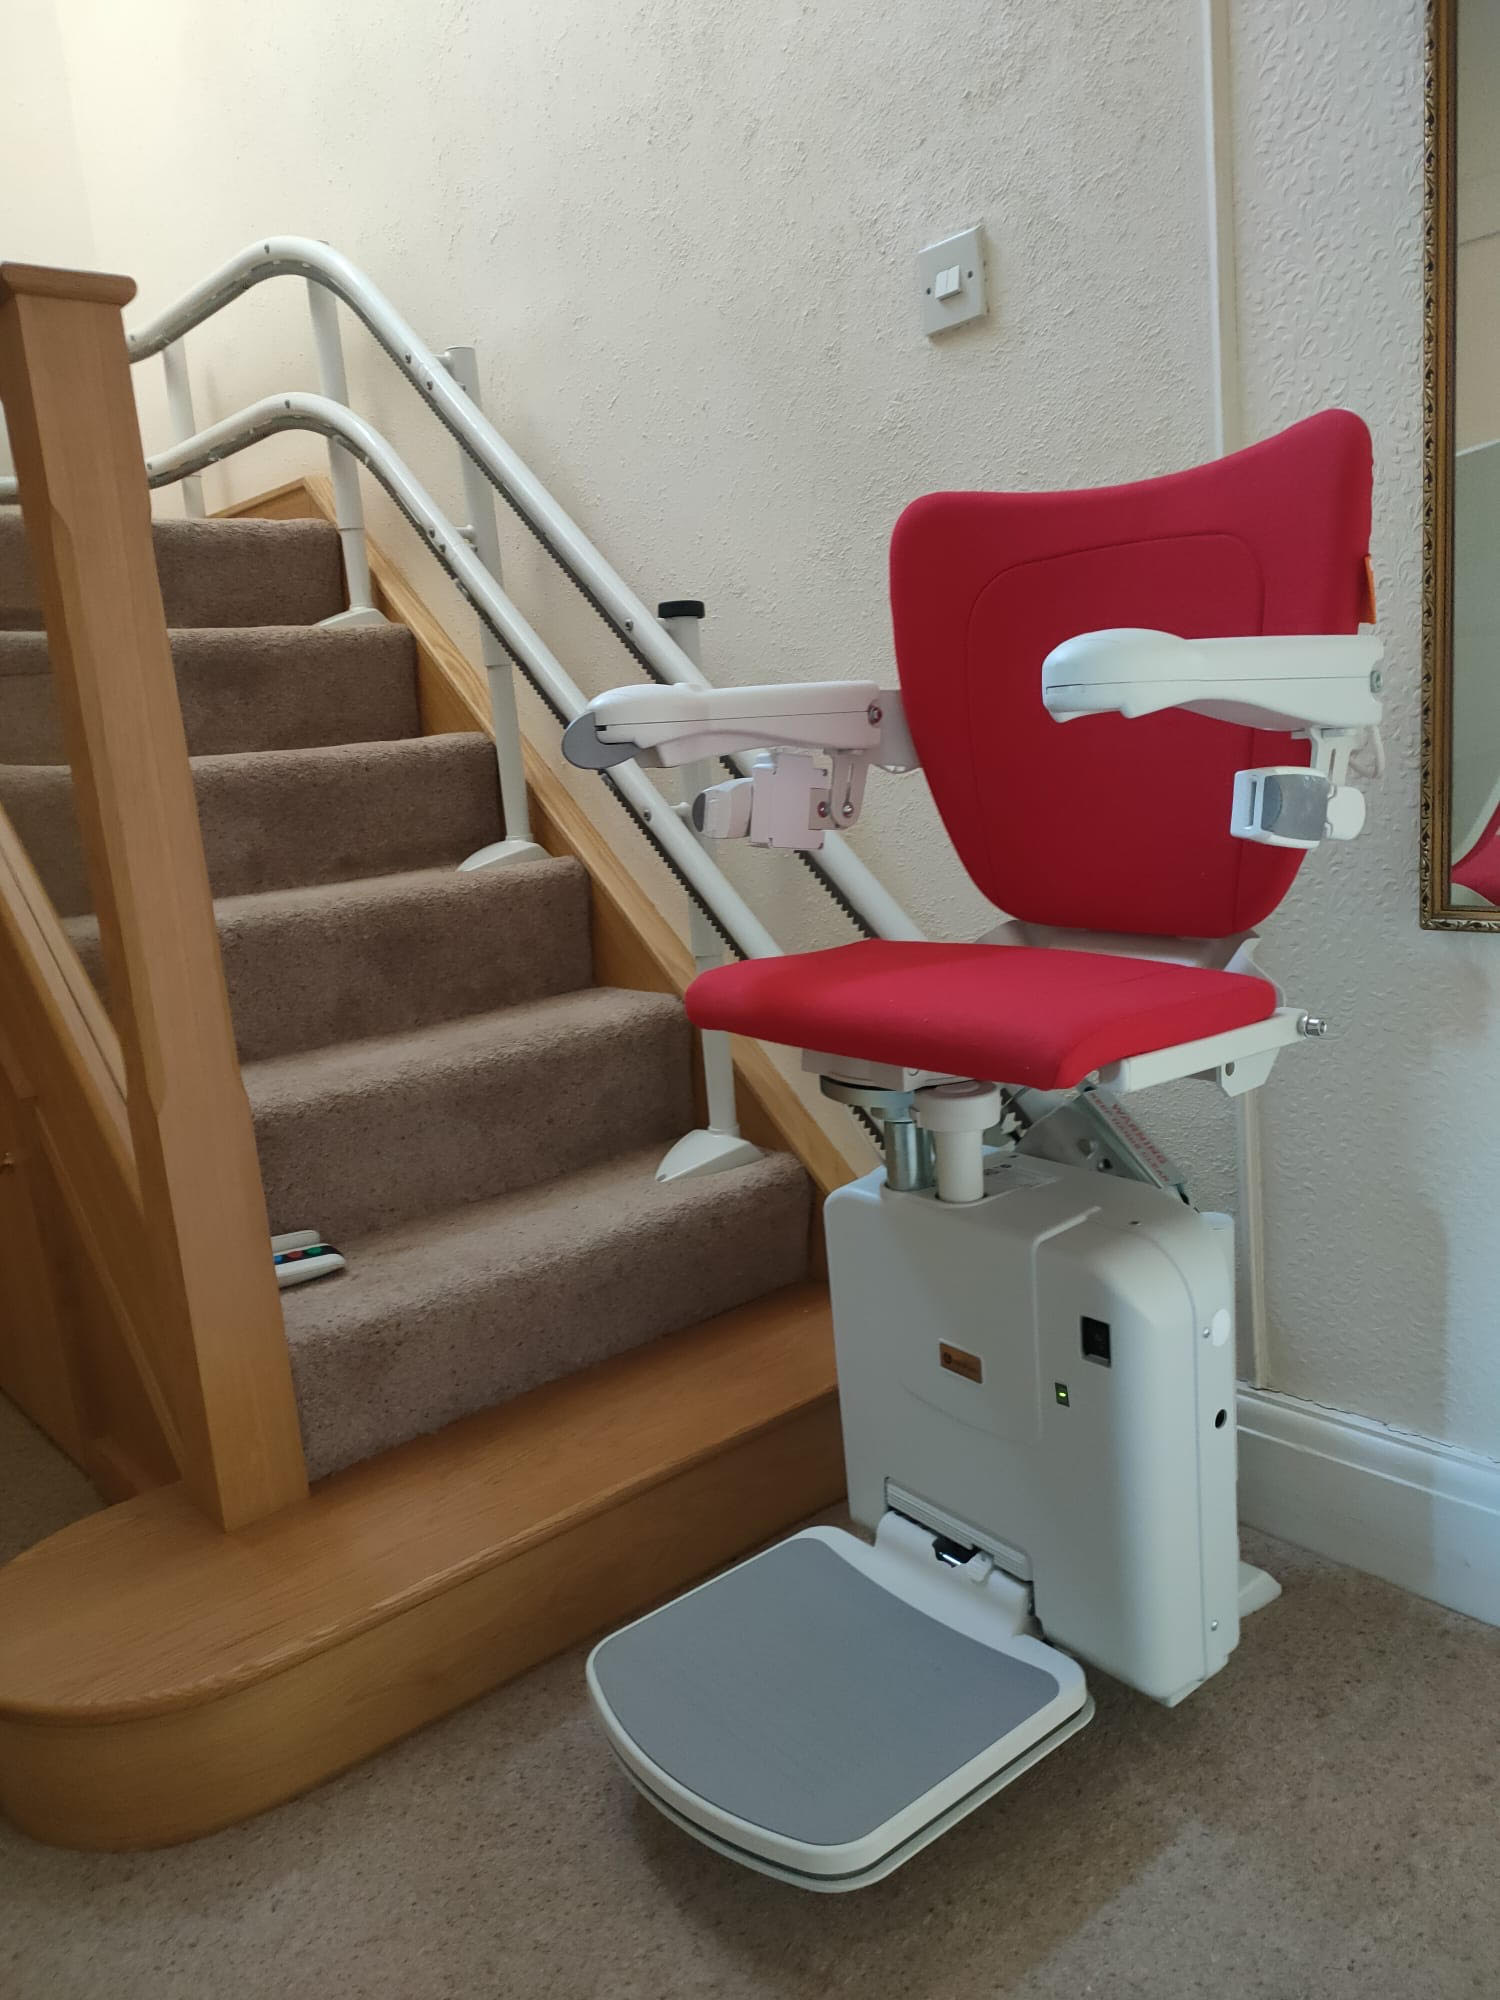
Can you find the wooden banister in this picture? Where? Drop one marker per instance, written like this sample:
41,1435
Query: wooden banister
217,1348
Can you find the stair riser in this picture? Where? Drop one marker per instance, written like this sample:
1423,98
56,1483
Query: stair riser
211,573
270,823
430,1138
278,688
311,978
275,821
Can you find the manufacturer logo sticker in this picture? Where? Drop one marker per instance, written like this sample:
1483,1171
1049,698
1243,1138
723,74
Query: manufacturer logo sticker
959,1361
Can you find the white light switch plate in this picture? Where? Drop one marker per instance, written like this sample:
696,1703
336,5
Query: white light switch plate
936,266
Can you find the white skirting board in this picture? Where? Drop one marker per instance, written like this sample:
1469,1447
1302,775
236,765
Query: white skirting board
1418,1513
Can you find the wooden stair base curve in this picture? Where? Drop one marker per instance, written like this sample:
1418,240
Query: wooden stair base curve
160,1679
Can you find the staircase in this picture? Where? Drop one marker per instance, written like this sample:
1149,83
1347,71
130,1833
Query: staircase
512,1448
437,1085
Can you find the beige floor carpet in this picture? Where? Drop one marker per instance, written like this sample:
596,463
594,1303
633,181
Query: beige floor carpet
1323,1822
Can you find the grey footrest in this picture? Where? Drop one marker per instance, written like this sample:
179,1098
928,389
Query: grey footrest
803,1713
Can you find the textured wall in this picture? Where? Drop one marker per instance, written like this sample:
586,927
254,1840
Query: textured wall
44,214
681,231
43,205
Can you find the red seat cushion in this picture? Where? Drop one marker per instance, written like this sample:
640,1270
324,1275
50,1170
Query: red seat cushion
1002,1013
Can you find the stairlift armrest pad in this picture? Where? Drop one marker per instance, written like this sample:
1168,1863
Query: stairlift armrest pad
1290,682
680,725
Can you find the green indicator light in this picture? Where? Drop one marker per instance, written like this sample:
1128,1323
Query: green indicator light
1060,1389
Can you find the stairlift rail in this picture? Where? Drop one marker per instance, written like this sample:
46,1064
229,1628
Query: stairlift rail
842,872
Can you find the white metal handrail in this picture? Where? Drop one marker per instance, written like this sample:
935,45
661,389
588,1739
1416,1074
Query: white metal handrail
319,414
325,269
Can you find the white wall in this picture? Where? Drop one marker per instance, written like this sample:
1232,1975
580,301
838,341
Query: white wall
681,231
44,211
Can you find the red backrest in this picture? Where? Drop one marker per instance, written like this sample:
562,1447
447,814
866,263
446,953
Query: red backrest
1100,823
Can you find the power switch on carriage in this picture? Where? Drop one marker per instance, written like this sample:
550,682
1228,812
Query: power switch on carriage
1095,1334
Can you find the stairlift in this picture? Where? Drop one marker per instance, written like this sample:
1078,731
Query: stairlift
1137,709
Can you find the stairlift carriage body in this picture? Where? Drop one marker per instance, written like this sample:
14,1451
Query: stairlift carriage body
1137,710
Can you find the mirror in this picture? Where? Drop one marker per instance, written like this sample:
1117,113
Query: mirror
1461,593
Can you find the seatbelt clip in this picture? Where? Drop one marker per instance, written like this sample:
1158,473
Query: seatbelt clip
1286,805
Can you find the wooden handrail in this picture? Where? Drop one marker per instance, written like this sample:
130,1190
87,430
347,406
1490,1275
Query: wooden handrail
216,1346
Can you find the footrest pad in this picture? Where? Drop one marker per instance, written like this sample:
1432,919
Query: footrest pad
797,1696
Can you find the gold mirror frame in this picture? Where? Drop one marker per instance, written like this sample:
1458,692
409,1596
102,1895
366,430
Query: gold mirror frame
1438,321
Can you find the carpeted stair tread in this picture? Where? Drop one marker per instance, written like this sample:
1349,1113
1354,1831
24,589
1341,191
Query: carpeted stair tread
211,572
472,1306
280,819
342,961
365,1135
256,687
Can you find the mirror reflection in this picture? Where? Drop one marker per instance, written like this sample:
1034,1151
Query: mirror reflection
1474,746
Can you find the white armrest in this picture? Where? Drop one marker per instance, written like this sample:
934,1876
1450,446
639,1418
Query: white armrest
680,725
791,798
1324,686
1320,680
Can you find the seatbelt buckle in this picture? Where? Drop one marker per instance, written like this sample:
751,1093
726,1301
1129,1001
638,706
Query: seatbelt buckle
1287,805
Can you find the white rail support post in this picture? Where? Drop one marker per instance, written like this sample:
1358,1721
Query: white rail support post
718,1146
483,537
184,423
348,508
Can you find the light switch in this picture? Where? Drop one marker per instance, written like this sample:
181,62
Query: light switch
951,281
